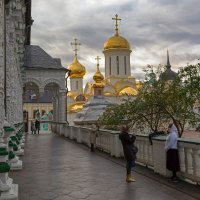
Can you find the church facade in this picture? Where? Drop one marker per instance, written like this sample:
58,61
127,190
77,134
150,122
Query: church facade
118,82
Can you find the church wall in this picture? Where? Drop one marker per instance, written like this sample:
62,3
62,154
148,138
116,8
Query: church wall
114,71
76,85
44,77
15,40
14,49
2,64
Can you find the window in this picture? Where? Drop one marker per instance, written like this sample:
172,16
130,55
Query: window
99,92
43,112
125,65
110,65
34,113
117,59
80,98
77,85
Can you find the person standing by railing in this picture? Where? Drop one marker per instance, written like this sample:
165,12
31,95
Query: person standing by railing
93,136
172,159
129,154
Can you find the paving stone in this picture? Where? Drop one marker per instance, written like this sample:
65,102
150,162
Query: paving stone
58,169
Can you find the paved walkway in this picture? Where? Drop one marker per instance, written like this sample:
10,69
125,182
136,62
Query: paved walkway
56,168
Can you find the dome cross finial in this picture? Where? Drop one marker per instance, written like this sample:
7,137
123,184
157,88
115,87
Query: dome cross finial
75,47
116,23
97,58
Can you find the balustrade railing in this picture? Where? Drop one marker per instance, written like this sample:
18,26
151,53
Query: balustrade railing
153,156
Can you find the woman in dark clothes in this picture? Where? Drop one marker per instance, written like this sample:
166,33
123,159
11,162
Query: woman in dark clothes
129,154
172,160
37,126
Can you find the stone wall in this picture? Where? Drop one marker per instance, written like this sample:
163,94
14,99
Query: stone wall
2,64
12,43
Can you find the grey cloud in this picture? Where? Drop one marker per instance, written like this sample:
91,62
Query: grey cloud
150,27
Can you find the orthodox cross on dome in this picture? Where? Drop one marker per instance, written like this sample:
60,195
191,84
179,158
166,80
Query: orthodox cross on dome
75,46
97,58
116,23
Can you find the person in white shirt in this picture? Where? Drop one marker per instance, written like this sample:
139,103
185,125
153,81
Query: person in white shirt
172,158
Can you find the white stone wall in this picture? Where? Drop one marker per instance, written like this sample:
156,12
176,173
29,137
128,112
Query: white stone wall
76,85
43,77
56,77
1,64
15,38
113,55
14,57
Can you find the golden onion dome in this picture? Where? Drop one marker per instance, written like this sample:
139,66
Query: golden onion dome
116,42
77,70
98,78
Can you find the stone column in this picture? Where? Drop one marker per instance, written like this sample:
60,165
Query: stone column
62,106
189,160
57,110
54,108
182,158
196,162
2,65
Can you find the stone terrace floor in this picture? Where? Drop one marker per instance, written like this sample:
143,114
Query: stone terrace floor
59,169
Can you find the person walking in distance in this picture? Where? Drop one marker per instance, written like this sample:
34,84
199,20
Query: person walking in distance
172,157
93,135
37,126
129,154
32,127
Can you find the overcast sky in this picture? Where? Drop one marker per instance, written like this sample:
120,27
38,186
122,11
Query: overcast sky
150,26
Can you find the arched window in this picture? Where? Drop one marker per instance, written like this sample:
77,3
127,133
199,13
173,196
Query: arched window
34,113
117,60
110,65
125,65
80,97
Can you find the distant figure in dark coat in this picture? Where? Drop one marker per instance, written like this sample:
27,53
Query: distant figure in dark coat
37,126
93,136
130,156
172,157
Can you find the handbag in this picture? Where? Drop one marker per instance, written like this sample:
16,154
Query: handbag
134,149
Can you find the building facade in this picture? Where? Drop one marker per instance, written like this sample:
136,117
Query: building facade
118,83
44,88
15,26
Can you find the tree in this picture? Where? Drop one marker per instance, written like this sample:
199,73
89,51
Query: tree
159,101
182,95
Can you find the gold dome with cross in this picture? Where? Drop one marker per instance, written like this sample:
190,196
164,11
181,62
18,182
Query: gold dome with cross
77,70
116,41
98,76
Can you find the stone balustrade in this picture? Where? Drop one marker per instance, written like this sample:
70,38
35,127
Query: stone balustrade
189,152
153,156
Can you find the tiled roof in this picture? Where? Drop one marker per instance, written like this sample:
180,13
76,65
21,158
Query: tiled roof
168,74
36,57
